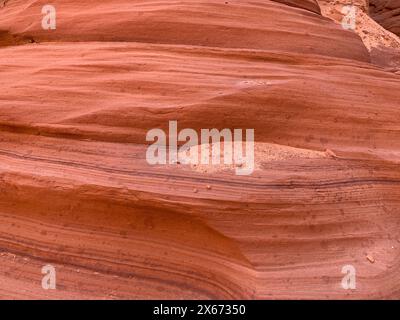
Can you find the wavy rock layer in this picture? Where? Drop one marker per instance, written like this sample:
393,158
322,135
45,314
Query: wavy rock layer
77,192
215,23
387,13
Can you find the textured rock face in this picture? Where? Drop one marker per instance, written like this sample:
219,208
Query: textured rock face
213,23
78,193
387,13
383,45
373,35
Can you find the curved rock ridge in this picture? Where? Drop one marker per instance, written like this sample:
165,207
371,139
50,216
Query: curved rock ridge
310,5
242,24
77,192
136,92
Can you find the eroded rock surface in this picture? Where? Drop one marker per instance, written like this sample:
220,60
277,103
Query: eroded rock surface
78,193
387,13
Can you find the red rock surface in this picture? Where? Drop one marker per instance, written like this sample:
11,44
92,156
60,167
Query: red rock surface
387,13
77,192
